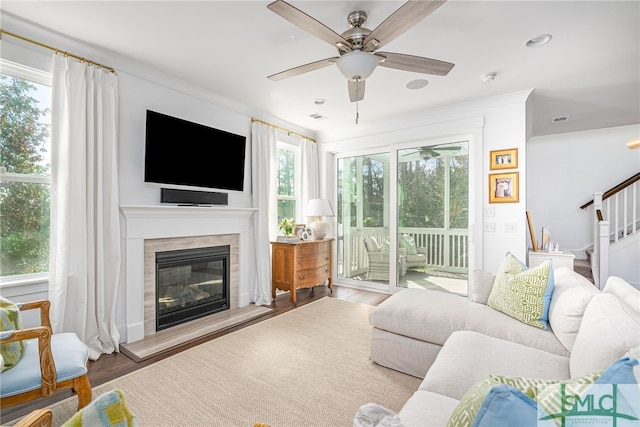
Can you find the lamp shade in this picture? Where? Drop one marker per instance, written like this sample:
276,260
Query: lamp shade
319,208
357,65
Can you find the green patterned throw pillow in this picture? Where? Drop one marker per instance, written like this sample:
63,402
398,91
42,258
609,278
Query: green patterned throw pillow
468,407
10,320
524,294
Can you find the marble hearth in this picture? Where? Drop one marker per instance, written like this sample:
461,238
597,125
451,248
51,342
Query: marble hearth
149,229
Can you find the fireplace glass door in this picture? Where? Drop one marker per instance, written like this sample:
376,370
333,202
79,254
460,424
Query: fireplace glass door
190,284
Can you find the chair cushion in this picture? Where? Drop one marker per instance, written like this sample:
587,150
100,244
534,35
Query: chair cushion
70,356
407,242
10,320
371,244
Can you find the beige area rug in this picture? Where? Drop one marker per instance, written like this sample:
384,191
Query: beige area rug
307,367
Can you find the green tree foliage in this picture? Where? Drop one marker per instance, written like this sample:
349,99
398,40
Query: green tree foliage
24,206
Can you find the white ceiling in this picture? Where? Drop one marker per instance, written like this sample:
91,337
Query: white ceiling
590,71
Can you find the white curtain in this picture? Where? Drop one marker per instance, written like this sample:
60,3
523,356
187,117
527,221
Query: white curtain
263,177
85,228
310,171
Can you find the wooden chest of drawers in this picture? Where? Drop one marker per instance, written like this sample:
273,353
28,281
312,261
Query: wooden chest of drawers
303,264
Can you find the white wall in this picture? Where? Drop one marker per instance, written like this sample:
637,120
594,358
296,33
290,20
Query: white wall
564,171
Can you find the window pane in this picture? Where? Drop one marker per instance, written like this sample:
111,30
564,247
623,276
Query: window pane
286,209
286,172
24,228
25,159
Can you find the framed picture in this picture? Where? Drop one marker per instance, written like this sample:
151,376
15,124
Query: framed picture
503,187
503,159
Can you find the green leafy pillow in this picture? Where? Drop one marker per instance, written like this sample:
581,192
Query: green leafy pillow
385,247
10,320
524,294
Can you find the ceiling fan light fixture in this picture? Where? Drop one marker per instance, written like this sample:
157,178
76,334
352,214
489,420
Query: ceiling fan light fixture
357,65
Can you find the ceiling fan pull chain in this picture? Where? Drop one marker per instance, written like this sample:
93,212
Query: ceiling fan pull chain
357,102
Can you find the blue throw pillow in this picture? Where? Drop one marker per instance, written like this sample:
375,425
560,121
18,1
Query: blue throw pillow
507,406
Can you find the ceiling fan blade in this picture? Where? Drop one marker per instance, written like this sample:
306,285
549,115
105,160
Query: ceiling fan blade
356,90
309,24
445,148
303,68
400,21
417,64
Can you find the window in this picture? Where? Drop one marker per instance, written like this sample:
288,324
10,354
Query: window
25,121
288,159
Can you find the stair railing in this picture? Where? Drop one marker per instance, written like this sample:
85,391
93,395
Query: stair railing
620,205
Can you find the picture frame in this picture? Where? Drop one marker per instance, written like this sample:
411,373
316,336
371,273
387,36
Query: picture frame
503,159
504,187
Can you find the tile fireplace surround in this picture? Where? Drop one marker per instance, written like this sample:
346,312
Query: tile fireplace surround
149,229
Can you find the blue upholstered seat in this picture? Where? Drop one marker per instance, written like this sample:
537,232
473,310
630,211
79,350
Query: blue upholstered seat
70,356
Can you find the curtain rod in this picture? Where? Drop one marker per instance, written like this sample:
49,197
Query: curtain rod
289,132
79,58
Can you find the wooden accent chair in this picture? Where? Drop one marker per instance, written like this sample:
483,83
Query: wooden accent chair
37,418
49,362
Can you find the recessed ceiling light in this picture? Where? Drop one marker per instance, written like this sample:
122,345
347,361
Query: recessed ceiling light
489,77
539,40
417,84
319,101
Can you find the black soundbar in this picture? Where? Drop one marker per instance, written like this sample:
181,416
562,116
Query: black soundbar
193,198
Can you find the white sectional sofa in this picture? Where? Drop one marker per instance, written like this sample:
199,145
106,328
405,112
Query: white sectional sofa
453,342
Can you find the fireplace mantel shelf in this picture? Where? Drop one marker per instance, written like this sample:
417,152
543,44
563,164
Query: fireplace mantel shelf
173,211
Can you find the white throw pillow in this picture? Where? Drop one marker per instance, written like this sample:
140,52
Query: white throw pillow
607,333
480,286
571,294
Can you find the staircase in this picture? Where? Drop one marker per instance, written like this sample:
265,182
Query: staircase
616,227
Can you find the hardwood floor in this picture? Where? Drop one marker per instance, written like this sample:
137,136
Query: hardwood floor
112,366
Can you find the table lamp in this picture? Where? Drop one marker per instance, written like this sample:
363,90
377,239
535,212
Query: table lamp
319,208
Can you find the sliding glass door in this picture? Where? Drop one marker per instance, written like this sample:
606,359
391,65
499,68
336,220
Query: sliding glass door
433,216
403,218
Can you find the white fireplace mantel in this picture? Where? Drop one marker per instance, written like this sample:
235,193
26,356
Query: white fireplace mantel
169,221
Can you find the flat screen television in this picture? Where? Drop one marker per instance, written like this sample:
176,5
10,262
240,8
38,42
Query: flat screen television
184,153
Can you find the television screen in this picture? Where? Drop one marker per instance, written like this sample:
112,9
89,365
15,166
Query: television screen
180,152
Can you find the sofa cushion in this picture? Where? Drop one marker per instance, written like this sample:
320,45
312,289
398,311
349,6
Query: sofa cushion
609,329
468,357
427,409
10,320
627,294
571,294
480,285
432,316
523,294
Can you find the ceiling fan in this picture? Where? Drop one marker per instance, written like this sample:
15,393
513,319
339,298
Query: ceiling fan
358,46
432,152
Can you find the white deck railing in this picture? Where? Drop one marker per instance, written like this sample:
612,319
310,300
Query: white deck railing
445,249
